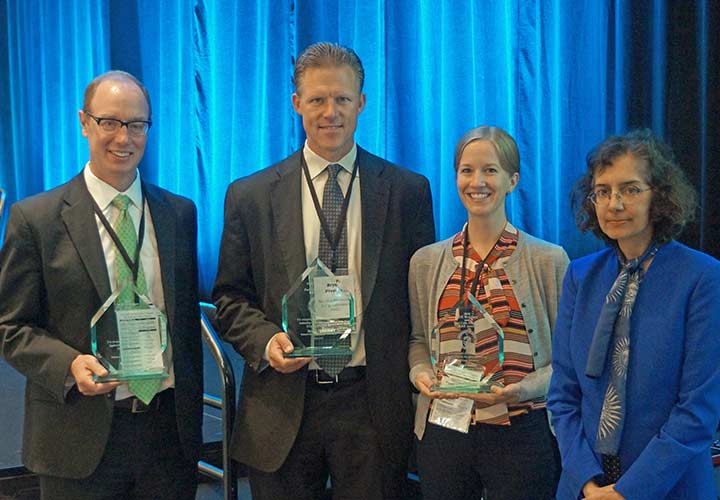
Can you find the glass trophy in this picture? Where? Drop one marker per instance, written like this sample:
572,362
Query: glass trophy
457,349
129,338
318,313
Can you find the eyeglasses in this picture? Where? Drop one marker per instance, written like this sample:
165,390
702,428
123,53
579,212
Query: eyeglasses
136,128
627,195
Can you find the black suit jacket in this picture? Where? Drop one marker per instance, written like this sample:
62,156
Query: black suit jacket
263,252
53,278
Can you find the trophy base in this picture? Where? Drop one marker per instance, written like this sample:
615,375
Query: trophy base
120,376
464,389
319,352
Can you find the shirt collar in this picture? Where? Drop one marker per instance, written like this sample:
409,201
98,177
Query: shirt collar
316,164
104,193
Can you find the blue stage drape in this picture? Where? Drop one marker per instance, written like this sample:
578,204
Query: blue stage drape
558,75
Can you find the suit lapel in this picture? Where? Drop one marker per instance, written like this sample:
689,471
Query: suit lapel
285,198
163,218
79,219
375,195
286,202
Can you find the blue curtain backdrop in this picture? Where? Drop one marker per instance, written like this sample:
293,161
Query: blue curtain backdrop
558,75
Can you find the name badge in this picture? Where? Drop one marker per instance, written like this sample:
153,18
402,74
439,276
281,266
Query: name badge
329,302
141,329
452,414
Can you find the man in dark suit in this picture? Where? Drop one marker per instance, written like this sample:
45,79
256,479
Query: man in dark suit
298,422
58,265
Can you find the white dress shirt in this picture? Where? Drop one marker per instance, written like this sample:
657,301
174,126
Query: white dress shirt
103,194
311,230
311,233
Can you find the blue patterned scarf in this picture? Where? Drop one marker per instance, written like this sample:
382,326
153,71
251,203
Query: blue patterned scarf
614,323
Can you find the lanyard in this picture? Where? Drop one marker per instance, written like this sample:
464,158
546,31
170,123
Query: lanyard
473,289
134,264
479,268
332,237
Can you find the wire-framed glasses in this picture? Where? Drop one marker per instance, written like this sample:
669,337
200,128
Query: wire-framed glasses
627,195
136,128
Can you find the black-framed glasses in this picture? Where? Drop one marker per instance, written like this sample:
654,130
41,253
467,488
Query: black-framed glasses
627,195
136,128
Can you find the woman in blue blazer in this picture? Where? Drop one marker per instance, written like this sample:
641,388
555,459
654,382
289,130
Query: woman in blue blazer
635,391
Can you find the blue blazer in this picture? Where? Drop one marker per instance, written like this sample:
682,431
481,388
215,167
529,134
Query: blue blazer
673,385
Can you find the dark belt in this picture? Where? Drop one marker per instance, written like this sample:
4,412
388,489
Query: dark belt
134,405
348,375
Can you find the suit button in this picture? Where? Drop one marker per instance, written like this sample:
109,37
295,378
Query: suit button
530,330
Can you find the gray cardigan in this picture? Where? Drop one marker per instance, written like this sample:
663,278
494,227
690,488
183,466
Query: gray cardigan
535,270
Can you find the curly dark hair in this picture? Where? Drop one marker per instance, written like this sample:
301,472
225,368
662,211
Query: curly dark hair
674,200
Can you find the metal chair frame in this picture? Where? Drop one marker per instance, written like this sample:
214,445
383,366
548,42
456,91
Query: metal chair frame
226,404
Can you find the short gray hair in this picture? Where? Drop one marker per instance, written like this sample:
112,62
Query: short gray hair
114,75
323,55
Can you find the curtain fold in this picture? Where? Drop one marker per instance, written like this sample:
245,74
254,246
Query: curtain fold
559,76
42,93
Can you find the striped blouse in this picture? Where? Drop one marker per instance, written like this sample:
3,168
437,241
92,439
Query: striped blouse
494,292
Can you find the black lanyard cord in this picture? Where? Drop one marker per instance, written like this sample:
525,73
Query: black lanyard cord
333,237
133,264
478,269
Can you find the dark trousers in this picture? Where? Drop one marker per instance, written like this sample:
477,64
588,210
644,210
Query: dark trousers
143,460
336,440
516,462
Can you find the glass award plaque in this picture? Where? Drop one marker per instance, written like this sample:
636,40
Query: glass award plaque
457,354
318,313
129,338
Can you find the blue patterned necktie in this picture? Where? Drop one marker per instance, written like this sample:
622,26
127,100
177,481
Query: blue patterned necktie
611,339
332,206
144,389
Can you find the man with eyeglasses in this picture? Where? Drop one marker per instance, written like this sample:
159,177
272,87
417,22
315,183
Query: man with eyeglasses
62,259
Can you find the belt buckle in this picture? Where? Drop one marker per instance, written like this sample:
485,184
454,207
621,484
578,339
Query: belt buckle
334,380
140,407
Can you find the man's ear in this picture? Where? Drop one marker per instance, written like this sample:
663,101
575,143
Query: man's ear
83,122
296,102
361,103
